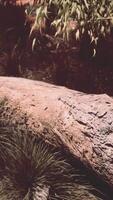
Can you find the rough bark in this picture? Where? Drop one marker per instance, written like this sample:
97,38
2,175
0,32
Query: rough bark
79,122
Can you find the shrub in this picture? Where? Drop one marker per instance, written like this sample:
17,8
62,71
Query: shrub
73,16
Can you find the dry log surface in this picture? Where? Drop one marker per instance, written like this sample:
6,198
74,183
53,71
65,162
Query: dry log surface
81,123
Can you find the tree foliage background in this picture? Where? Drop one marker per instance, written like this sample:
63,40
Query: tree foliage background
77,17
54,36
66,19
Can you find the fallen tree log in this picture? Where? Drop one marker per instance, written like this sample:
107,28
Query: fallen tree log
81,123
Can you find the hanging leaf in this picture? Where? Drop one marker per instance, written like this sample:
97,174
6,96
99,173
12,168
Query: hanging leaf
94,52
33,44
77,34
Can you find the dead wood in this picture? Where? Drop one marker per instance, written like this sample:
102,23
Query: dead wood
81,123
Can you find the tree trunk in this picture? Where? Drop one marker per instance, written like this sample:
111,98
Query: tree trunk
81,123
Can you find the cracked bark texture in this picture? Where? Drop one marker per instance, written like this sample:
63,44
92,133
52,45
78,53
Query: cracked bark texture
81,123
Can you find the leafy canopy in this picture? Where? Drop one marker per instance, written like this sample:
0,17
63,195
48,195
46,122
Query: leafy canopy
78,16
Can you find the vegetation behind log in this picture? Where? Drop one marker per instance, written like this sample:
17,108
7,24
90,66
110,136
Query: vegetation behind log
67,18
31,48
62,20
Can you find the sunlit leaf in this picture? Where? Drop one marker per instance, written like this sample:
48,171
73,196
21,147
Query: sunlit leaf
77,35
94,52
33,43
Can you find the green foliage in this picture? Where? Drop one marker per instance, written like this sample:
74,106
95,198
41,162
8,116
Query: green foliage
78,16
